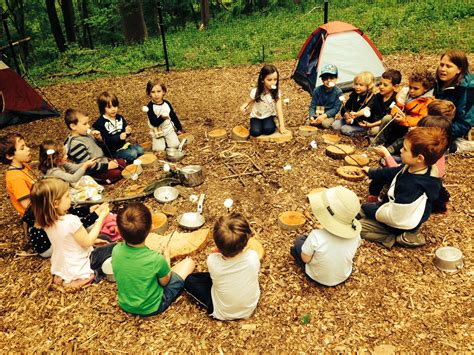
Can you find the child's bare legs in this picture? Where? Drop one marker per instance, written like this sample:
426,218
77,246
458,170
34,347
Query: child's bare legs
57,280
184,268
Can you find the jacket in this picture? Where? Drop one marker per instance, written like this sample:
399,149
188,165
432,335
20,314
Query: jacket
414,109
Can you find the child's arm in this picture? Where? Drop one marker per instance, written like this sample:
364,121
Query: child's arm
174,118
244,107
68,177
336,105
314,102
85,239
165,279
279,110
384,153
383,174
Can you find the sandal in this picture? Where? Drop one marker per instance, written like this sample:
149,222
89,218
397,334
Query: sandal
411,240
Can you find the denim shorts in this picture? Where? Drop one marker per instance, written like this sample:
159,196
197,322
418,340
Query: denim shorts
170,293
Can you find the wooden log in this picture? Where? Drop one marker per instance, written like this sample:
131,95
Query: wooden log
130,170
356,160
351,173
217,133
307,131
470,135
315,191
189,138
182,244
291,220
339,151
240,133
169,210
134,190
254,244
276,137
331,138
159,223
148,159
146,145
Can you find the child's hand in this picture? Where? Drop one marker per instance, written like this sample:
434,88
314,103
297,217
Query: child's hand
100,242
180,132
96,134
364,124
89,164
349,120
166,252
123,136
112,165
103,210
399,116
128,129
283,130
381,151
243,108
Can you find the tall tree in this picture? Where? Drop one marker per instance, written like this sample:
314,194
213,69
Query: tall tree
16,10
55,25
67,9
205,13
131,12
86,29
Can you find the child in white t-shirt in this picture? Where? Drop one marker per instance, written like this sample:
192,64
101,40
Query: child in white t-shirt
230,290
74,262
326,254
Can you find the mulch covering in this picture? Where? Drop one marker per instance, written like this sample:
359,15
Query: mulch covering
395,299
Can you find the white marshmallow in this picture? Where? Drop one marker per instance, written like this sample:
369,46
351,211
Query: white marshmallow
228,202
145,109
50,151
331,84
313,144
286,101
367,112
193,198
137,162
166,167
274,87
342,98
287,167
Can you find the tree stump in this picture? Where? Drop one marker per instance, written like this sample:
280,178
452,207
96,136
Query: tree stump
189,138
159,223
307,131
131,170
181,244
240,133
356,160
169,210
339,151
470,135
315,191
291,220
277,137
331,138
147,159
217,133
351,173
146,145
254,244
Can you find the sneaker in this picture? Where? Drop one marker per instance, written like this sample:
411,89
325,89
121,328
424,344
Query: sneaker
411,240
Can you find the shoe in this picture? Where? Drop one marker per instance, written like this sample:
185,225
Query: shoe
411,240
372,199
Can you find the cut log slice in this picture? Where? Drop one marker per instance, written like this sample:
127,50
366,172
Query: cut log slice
291,220
256,245
159,223
217,133
147,159
339,151
356,160
331,138
181,244
315,191
134,190
307,131
277,137
146,146
470,135
351,173
169,210
131,170
189,138
240,133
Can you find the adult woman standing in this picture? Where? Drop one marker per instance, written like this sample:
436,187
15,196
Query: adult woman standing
455,83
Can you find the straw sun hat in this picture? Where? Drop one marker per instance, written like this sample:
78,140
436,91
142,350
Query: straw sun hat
336,209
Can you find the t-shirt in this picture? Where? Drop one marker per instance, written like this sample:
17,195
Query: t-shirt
70,260
235,290
136,272
19,182
332,256
264,108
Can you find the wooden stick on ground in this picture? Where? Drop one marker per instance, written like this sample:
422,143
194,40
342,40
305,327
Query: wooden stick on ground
232,170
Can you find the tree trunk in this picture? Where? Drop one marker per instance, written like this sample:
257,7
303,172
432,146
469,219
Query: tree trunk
205,13
17,12
86,30
55,25
67,9
131,12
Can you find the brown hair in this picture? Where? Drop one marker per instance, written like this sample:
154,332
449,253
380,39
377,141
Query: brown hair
107,99
71,116
231,234
442,108
43,196
46,161
134,223
459,59
436,121
393,75
424,77
152,83
430,142
8,146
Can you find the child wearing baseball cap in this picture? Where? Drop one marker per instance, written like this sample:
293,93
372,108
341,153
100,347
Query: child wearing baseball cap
325,102
326,254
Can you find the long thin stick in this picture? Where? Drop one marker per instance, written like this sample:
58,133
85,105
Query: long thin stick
171,236
378,134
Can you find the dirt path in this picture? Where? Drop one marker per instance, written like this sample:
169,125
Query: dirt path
394,297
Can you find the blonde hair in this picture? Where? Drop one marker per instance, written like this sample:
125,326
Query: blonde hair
43,196
367,78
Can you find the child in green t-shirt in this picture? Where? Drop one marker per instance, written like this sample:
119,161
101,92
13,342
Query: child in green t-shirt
147,285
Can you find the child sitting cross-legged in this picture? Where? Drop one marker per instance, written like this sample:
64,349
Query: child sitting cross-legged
74,262
230,290
115,130
81,146
413,187
147,284
326,254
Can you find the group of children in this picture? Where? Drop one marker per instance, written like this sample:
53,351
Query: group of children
147,283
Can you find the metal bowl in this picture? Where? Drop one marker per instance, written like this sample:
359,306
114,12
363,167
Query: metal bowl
174,154
191,220
166,194
448,259
107,270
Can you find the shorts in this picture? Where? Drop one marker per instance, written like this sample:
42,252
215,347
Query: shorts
170,292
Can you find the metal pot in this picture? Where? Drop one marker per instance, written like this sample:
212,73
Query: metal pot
107,270
448,259
174,154
191,175
166,194
193,220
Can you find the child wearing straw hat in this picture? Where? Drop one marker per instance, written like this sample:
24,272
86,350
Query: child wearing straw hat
326,254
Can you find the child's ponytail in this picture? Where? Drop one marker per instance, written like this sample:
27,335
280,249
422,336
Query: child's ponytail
49,161
43,196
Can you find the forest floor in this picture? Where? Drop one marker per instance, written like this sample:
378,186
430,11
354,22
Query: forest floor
395,300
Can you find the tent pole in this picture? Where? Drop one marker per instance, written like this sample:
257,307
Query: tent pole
326,6
162,31
9,38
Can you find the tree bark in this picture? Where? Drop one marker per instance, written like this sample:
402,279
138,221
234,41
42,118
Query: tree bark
86,30
67,9
55,25
205,13
17,12
131,12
